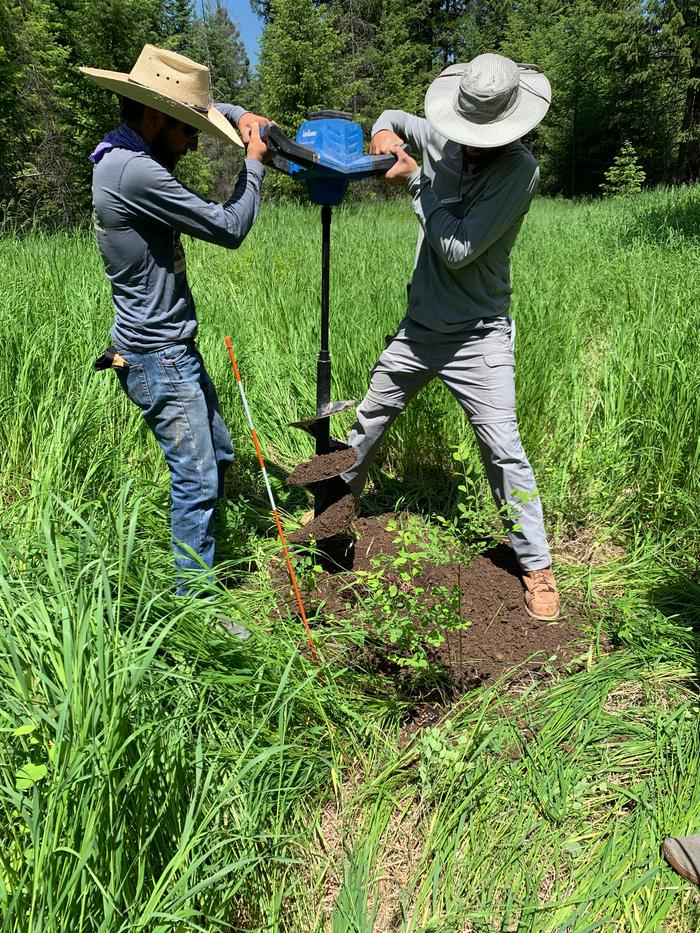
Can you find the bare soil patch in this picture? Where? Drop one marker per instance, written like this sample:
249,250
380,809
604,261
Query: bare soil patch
496,635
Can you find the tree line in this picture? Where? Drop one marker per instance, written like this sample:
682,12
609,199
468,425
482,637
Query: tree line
625,76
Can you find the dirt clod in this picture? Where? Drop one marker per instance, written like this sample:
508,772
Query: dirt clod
322,467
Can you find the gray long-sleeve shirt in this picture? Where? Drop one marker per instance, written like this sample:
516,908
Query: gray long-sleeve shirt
469,222
140,211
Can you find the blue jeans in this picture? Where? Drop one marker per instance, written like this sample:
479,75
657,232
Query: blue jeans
179,404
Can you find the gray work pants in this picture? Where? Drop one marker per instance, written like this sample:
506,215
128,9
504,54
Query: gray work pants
477,366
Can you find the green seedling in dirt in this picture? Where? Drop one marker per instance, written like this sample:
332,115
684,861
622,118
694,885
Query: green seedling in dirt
410,620
447,608
471,529
307,572
396,611
418,542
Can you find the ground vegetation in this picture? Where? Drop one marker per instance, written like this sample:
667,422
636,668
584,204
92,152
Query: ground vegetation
155,773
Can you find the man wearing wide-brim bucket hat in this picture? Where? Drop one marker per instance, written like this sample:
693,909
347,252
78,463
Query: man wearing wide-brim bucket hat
140,212
470,197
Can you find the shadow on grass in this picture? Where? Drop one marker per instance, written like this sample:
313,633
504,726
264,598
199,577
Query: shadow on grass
679,222
246,516
435,493
244,478
679,600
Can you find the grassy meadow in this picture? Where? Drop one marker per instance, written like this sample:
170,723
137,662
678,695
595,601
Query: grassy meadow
156,775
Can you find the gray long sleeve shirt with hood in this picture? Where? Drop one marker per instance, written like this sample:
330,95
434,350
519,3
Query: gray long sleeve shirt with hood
469,222
140,212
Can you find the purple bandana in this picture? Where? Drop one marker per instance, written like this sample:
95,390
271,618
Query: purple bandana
121,138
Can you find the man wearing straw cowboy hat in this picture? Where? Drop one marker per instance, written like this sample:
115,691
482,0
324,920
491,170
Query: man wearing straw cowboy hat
140,212
470,197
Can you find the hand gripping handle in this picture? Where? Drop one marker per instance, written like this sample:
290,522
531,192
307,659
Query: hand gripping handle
282,146
382,163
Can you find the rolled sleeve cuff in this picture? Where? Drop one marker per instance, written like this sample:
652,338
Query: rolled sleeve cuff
232,112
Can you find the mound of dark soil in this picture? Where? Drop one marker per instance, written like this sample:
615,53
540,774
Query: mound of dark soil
501,634
498,635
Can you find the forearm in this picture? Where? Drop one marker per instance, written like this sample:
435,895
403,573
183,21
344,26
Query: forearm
232,112
150,191
413,130
447,235
228,224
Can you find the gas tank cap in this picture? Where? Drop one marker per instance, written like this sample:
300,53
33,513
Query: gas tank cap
330,115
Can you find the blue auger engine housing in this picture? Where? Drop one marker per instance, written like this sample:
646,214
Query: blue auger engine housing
327,155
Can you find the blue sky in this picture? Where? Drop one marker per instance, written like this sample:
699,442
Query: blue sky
249,25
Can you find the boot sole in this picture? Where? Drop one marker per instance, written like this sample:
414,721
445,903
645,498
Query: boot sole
694,878
542,618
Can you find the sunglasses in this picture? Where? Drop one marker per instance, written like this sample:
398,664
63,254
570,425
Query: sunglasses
191,132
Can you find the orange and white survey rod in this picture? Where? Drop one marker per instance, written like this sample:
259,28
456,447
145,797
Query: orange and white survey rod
290,568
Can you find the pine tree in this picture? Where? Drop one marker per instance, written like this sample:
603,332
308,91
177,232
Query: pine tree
646,97
625,176
447,20
405,55
215,41
262,8
11,115
356,23
683,22
43,182
299,63
114,39
598,59
177,20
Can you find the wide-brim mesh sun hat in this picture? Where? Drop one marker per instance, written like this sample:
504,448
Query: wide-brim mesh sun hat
173,84
487,102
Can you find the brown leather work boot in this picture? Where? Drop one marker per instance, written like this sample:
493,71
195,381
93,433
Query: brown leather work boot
683,855
541,594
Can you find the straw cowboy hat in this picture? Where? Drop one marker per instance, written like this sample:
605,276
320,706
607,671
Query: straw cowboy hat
487,102
172,84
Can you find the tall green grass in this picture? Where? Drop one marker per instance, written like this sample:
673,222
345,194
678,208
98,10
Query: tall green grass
156,775
607,347
153,772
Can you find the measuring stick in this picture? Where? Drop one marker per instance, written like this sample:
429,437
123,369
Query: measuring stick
290,568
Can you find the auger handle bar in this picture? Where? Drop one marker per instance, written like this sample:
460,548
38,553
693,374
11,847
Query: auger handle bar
286,150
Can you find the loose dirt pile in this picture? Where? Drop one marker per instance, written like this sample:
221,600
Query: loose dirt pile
323,467
486,594
331,527
501,635
331,523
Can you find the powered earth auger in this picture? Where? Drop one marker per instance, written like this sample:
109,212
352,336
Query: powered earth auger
326,156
